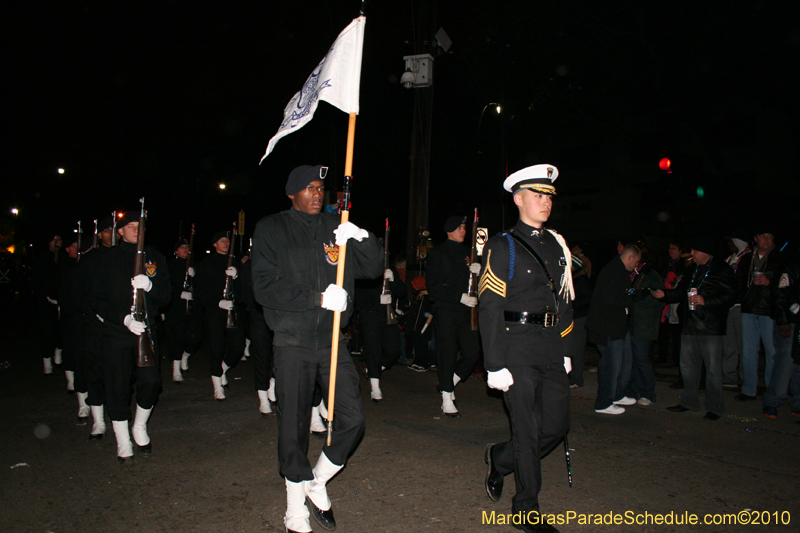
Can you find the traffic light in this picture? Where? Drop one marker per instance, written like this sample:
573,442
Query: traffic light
665,164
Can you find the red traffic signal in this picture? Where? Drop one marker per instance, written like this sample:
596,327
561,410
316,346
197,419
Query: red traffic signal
665,164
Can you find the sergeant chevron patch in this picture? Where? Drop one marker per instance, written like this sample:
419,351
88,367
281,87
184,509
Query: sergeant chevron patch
490,281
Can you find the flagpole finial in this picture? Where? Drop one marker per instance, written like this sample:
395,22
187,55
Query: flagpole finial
363,8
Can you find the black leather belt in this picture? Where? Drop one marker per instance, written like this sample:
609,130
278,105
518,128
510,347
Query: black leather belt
548,320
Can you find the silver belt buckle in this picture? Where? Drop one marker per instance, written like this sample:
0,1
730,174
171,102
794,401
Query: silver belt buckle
550,320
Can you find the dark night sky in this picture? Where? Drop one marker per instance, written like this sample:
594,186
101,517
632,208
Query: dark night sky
167,99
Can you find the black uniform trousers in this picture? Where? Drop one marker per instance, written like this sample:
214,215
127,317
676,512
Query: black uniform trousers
454,332
122,376
381,341
47,328
297,370
226,344
74,355
184,333
538,404
260,350
95,370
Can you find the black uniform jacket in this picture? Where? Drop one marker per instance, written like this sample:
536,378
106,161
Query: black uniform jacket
611,303
112,293
448,275
209,283
512,280
292,267
716,283
177,275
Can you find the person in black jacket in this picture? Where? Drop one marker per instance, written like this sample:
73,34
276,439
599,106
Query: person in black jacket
183,329
112,293
525,317
576,341
448,282
295,255
607,323
704,319
227,344
44,282
260,344
72,327
381,348
757,282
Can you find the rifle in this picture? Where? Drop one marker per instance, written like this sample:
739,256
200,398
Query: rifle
113,228
187,279
94,238
78,259
145,354
473,278
391,317
227,294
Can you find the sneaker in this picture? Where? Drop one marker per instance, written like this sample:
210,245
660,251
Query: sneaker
573,386
742,397
611,410
770,412
625,400
645,401
417,368
729,386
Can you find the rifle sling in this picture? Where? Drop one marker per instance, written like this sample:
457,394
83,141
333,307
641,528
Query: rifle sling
550,283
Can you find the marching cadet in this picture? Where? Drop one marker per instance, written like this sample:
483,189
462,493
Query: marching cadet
260,345
448,284
72,327
525,292
112,291
295,260
183,329
227,344
45,291
93,327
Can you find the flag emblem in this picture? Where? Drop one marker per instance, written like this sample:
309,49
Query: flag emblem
150,268
331,253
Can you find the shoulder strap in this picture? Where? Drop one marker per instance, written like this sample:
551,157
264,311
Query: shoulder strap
550,282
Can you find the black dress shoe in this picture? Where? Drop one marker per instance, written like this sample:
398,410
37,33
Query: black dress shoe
494,479
536,528
323,518
96,437
711,416
126,461
678,409
146,450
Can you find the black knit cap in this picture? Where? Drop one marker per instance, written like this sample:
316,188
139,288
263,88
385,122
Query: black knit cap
180,242
704,244
453,222
127,218
217,236
301,176
70,239
104,223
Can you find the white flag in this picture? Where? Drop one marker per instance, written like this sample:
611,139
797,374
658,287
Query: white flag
335,80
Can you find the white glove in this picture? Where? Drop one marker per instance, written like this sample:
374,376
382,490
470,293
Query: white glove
135,327
226,304
500,379
141,281
191,272
475,268
54,302
469,301
334,298
186,295
348,230
386,299
568,364
232,272
388,275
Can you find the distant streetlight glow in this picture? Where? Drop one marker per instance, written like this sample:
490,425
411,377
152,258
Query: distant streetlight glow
15,211
222,186
60,170
498,109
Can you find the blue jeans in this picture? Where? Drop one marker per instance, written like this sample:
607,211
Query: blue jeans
696,350
613,371
782,371
642,383
756,329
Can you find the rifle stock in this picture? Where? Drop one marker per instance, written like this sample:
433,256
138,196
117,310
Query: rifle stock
227,294
473,278
391,316
144,354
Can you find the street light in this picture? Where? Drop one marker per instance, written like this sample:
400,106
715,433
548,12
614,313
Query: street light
15,211
60,170
222,186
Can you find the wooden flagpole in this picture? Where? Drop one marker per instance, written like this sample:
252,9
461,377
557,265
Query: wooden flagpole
337,316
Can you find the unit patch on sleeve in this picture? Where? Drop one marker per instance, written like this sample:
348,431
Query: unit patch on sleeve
490,281
331,253
150,268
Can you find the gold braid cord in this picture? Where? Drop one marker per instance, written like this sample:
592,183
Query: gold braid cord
489,280
567,290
